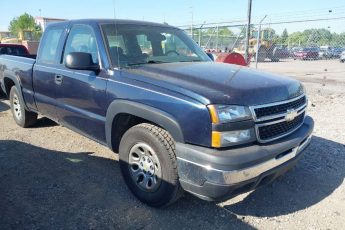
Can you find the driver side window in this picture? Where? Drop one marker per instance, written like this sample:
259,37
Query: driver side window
81,39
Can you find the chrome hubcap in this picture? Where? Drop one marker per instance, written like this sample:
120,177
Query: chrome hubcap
17,107
144,167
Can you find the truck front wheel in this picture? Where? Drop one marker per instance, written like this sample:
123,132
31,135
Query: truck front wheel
21,116
148,165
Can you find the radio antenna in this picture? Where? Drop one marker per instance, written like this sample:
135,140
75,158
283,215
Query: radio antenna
114,9
115,25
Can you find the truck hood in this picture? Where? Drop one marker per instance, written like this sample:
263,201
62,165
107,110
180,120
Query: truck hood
218,83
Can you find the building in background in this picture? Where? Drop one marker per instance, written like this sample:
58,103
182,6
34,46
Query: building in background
44,22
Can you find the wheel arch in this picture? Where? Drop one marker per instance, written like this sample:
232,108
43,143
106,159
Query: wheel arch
9,82
122,109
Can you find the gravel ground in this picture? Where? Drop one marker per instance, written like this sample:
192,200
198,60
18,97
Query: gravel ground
53,178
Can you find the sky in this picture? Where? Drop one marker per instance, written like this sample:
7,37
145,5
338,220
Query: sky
179,12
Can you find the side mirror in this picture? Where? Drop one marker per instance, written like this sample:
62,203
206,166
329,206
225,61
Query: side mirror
210,55
80,61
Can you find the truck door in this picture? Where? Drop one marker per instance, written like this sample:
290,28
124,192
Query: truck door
44,77
81,94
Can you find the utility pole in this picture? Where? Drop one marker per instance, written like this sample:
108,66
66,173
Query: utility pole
246,54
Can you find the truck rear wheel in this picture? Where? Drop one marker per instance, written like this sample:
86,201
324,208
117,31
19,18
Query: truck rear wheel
148,165
21,116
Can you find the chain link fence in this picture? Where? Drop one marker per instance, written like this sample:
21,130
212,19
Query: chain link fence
315,39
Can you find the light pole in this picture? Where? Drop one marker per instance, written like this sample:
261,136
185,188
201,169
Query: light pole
217,38
257,43
248,29
191,25
200,33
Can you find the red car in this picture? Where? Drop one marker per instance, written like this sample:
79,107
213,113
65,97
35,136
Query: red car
307,53
14,49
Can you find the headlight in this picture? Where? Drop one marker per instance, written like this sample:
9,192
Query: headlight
228,113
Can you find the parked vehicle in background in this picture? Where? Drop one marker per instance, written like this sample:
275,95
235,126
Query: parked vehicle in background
342,57
308,53
282,52
293,50
14,49
179,121
266,48
336,52
325,52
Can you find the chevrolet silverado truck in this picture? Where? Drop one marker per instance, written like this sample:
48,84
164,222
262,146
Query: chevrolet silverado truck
178,121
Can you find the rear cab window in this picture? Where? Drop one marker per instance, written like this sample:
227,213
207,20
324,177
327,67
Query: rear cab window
49,45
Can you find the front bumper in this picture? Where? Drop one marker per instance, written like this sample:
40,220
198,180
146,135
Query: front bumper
220,174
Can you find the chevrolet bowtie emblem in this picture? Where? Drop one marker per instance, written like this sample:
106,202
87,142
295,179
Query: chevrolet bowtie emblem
291,114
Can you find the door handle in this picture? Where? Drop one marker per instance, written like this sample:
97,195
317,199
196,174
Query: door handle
58,79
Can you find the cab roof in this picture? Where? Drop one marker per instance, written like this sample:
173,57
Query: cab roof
113,21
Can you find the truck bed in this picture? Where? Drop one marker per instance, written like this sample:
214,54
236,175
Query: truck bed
19,70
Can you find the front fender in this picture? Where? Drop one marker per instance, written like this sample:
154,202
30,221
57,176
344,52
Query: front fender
161,118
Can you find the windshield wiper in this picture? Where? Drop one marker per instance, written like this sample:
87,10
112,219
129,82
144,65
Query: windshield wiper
197,60
144,63
159,62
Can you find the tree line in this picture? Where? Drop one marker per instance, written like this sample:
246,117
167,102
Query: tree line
25,22
308,37
319,37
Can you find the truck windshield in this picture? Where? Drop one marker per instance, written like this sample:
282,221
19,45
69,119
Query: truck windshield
131,45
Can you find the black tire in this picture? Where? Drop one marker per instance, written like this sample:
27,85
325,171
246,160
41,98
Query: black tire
169,189
2,94
21,116
262,54
274,53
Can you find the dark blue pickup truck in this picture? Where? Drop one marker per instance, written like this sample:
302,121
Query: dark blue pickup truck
179,121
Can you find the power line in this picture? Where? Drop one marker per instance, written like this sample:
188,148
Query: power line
303,14
338,13
309,10
308,20
230,24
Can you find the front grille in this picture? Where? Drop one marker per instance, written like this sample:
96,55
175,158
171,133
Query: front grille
275,130
271,119
279,108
